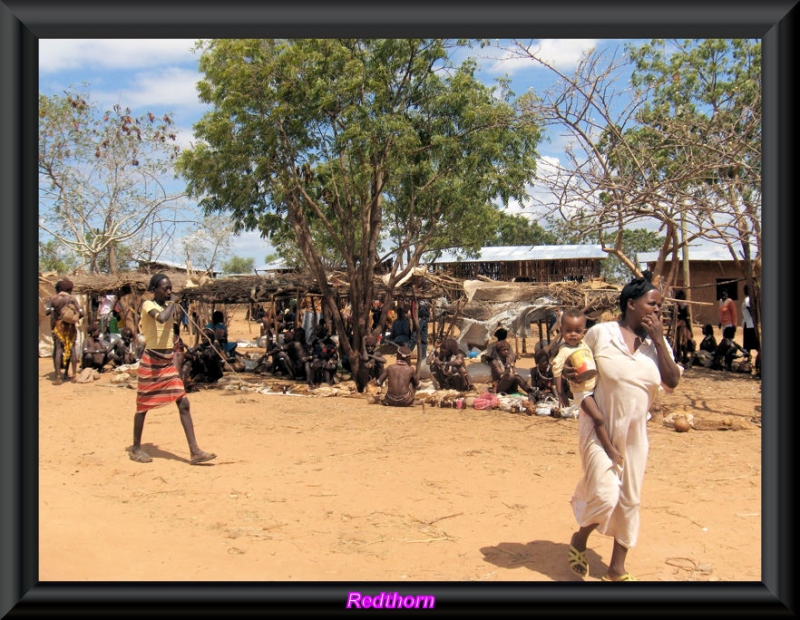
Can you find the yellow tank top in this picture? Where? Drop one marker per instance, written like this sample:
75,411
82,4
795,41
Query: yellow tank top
157,335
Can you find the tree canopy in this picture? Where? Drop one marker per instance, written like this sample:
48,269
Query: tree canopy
344,148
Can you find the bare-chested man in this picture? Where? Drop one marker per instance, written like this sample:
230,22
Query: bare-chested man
95,351
372,363
403,381
449,368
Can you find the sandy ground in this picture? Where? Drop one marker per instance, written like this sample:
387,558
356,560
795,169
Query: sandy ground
334,489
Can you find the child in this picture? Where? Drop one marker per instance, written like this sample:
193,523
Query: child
542,379
573,329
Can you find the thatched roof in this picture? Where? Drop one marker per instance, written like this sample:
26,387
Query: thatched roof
594,296
245,289
101,283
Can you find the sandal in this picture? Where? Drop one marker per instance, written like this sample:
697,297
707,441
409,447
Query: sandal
577,562
140,456
202,457
625,577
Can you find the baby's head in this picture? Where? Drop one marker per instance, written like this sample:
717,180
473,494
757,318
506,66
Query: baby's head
573,326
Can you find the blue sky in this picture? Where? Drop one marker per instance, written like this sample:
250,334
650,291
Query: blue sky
159,75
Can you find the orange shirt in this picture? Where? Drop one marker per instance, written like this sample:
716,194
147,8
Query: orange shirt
727,313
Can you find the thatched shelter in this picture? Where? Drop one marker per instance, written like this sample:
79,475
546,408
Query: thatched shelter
454,302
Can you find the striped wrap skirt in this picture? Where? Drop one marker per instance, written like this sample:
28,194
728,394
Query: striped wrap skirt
159,381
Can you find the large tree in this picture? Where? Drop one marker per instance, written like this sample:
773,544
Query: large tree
517,229
666,135
102,180
704,115
337,146
208,243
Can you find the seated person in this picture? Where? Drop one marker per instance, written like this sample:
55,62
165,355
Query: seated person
276,359
372,363
542,379
95,351
505,378
708,347
325,362
123,350
403,381
203,362
400,334
728,350
258,313
449,368
221,334
708,343
300,356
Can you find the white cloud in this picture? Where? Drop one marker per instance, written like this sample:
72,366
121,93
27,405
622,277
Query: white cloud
70,54
562,53
168,90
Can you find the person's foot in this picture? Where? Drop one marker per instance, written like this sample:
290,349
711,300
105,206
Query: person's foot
139,455
202,457
576,559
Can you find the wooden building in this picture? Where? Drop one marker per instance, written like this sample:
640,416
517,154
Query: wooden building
524,263
711,270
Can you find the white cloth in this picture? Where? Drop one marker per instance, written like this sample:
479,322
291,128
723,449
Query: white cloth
627,385
106,305
747,318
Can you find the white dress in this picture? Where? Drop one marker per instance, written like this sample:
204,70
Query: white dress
627,385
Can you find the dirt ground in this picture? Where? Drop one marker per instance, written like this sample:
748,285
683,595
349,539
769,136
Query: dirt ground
312,488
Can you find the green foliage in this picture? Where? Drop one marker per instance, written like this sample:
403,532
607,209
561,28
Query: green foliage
54,257
333,147
703,123
237,264
517,229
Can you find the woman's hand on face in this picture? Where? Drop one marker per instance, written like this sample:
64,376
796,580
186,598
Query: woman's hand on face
653,326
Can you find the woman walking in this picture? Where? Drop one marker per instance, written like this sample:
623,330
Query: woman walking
633,360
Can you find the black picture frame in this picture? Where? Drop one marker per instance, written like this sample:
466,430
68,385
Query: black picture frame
24,22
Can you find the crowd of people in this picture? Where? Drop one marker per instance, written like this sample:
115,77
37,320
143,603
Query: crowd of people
727,354
301,347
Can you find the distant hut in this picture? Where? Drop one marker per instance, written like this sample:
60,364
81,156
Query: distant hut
524,263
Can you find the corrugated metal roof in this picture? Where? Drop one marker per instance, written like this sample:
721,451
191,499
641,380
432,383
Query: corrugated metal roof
275,265
511,253
696,253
